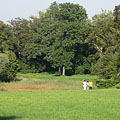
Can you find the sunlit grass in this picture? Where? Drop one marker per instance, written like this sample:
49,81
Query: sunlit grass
60,105
60,82
62,98
54,76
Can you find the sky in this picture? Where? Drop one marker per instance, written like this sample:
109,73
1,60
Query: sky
10,9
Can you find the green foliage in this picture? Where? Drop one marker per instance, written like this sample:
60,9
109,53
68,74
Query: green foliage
51,39
20,29
106,65
117,16
7,39
80,70
72,12
63,38
11,68
105,83
84,58
29,50
35,67
101,36
118,86
3,61
83,66
104,37
70,29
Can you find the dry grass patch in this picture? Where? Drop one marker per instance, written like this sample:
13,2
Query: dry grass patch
29,87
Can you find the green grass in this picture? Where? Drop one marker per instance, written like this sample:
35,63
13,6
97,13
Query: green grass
60,105
61,82
67,102
49,76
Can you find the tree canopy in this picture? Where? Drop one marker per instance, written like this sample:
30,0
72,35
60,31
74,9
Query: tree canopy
62,39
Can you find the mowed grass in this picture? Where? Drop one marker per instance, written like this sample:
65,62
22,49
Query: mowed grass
50,97
60,105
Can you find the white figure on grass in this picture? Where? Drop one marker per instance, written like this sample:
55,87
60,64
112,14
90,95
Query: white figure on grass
84,85
87,84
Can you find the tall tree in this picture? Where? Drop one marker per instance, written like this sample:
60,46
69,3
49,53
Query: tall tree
104,38
20,29
7,39
70,30
116,14
101,36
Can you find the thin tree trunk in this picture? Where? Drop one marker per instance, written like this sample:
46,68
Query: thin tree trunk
63,71
59,70
99,49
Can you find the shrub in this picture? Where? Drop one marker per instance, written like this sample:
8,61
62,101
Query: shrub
11,68
118,86
105,83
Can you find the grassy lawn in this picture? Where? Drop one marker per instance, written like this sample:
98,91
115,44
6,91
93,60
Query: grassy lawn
50,97
60,105
49,76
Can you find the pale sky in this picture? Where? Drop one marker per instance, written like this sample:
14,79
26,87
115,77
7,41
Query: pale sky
10,9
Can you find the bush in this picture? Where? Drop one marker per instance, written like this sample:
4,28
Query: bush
11,68
105,83
118,86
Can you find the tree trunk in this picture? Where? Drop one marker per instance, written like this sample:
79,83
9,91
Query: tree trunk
63,71
59,70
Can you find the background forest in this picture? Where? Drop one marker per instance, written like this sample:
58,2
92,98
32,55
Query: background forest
64,41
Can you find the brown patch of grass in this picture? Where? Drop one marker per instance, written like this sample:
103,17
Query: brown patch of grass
29,87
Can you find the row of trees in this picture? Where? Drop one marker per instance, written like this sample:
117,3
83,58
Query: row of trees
63,39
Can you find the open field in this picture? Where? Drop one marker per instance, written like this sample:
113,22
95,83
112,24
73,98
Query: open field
50,97
60,105
46,81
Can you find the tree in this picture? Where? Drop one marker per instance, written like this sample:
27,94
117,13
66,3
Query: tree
7,39
105,38
20,29
101,36
28,48
70,30
116,14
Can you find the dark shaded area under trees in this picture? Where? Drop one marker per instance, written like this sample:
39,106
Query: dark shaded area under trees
62,40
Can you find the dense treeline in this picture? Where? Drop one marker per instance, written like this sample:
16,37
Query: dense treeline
62,40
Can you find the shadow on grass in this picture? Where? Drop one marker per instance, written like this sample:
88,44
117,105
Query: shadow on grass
57,75
9,117
18,79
